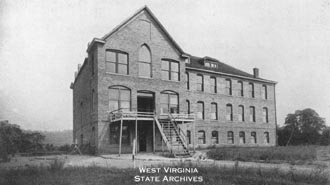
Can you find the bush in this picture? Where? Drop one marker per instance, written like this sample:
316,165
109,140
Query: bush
56,165
291,154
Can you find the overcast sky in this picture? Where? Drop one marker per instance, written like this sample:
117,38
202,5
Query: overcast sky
42,42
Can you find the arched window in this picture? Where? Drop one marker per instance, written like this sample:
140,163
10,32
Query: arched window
170,70
116,62
241,88
188,137
144,62
169,102
119,98
241,137
264,92
266,137
188,106
214,111
230,137
215,137
200,110
241,113
201,137
251,90
228,87
213,85
229,112
252,114
253,137
265,115
200,82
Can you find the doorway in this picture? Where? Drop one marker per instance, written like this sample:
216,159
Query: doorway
145,101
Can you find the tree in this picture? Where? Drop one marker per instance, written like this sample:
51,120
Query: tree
13,139
325,137
302,127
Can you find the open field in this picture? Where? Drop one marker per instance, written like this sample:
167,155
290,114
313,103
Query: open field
211,175
297,168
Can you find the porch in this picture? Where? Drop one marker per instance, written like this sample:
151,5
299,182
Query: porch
169,130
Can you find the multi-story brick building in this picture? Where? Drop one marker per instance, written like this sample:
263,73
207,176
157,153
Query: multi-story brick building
137,86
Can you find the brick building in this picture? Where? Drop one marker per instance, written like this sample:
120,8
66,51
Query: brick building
138,87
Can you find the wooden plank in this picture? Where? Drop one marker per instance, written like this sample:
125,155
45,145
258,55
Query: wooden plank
120,135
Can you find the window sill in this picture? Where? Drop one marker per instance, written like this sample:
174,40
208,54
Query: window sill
118,74
171,81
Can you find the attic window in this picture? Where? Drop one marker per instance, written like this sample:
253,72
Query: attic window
211,64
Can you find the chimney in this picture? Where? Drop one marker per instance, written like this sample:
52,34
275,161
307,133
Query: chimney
256,72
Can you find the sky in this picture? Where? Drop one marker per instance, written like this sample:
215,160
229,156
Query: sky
43,41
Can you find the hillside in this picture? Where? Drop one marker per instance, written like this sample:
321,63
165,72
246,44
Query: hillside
57,138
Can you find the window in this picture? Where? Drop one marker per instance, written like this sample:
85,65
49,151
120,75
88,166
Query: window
200,82
214,111
240,88
119,98
116,62
188,137
228,87
253,137
170,70
265,115
115,134
241,113
144,62
169,102
210,64
200,110
264,92
92,64
213,85
230,137
215,137
251,90
187,81
188,106
93,101
241,137
252,114
266,137
201,137
229,112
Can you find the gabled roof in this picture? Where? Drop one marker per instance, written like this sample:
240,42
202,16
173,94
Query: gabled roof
146,9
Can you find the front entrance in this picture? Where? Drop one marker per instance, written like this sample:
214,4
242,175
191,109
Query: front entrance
145,101
145,136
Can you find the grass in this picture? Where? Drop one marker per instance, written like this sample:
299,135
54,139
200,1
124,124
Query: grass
280,154
212,175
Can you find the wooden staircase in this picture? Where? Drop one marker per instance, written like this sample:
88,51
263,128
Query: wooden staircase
172,135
